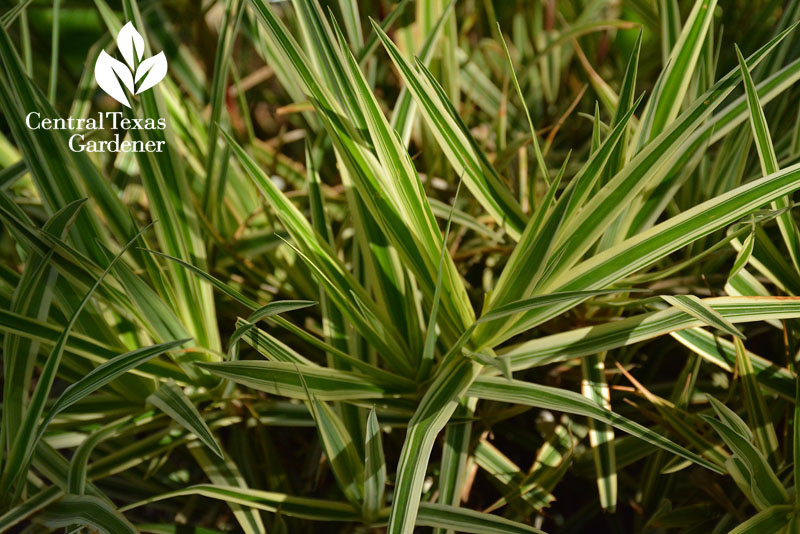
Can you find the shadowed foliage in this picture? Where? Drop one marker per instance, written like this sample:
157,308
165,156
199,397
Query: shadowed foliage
438,266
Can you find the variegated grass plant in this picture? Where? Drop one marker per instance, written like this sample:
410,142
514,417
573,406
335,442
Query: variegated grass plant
490,267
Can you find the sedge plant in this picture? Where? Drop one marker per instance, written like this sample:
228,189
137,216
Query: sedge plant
434,266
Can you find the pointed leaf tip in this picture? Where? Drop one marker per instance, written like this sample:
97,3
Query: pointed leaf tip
130,44
153,69
109,72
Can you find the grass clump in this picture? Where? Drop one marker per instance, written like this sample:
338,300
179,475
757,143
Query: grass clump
403,267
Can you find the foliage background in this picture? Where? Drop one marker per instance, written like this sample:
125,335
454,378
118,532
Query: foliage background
526,186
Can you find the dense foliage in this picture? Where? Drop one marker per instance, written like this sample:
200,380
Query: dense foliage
450,266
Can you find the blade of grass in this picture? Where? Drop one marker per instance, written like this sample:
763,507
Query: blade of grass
697,309
519,392
87,511
24,510
374,469
171,400
52,83
590,340
215,181
769,163
461,149
104,374
773,519
225,472
594,387
453,469
667,99
760,418
26,438
283,378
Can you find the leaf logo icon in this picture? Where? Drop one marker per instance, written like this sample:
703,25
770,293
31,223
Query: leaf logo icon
120,79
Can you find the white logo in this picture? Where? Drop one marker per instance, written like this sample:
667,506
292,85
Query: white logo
109,72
